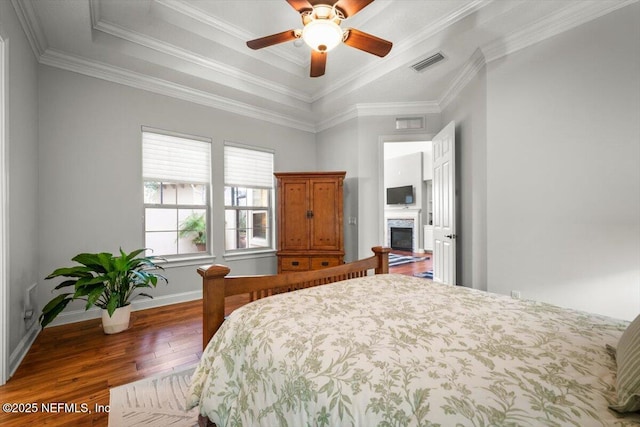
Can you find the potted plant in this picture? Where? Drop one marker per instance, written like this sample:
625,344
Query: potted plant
106,281
196,226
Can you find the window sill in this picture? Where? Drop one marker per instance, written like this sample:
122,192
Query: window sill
188,261
235,256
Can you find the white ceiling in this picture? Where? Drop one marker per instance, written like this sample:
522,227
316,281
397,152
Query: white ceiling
195,50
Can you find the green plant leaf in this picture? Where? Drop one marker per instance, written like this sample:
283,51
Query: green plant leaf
93,261
113,303
77,271
89,281
104,281
93,296
53,308
134,254
145,295
88,289
65,284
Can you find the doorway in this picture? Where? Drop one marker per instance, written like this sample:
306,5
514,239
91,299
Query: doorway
441,171
406,170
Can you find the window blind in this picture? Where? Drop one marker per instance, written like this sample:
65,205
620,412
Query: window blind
173,159
245,167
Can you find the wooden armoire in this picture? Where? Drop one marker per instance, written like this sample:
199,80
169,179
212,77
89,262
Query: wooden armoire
310,220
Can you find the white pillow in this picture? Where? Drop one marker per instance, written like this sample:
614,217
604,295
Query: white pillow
628,361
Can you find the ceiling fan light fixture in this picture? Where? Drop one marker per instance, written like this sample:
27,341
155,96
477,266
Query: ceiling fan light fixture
322,35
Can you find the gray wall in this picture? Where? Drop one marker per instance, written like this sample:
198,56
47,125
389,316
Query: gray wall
357,146
469,111
336,151
22,156
90,193
548,178
373,132
563,175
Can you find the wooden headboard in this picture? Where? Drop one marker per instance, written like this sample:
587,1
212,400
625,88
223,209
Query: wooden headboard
216,286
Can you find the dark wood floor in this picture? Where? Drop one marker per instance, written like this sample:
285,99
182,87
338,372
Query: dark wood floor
78,364
414,267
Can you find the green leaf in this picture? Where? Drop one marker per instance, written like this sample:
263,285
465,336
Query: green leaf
93,296
77,271
145,295
65,284
113,303
54,302
134,254
93,261
53,308
104,280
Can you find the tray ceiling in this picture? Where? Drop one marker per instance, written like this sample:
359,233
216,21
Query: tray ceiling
195,50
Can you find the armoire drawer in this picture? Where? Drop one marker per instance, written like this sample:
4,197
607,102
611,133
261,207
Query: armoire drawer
294,263
324,262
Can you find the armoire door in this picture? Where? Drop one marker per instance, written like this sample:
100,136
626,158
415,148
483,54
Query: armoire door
294,221
326,214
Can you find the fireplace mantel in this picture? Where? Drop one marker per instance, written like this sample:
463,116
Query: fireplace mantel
409,217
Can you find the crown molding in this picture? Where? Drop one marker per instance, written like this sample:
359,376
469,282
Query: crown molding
394,108
139,81
259,87
563,20
187,9
225,74
379,109
31,26
394,60
462,79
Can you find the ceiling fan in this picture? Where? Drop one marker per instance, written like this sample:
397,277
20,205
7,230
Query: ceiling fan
321,31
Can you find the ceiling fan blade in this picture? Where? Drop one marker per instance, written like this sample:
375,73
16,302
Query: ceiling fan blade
300,5
318,63
351,7
368,43
282,37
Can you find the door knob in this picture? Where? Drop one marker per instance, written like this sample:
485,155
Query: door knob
451,236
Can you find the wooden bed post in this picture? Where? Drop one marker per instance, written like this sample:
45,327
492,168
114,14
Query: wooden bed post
382,253
212,299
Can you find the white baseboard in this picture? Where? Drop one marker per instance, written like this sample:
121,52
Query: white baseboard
74,316
23,347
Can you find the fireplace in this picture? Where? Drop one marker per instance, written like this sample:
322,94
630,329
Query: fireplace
401,238
405,224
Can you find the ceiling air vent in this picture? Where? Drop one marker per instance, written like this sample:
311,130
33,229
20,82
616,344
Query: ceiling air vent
425,63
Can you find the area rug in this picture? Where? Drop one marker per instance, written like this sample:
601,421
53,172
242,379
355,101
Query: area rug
425,274
154,401
395,260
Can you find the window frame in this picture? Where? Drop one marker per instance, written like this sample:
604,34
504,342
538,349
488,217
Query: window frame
176,258
251,209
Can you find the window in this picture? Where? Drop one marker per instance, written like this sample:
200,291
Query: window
248,194
176,174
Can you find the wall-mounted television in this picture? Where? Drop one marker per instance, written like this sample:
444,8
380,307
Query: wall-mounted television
400,195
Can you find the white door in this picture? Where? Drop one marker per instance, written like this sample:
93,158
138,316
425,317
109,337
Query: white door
444,213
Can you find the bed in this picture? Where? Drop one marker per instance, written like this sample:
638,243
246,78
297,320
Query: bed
393,350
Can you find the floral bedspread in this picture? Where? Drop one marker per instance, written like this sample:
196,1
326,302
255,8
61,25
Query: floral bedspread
392,350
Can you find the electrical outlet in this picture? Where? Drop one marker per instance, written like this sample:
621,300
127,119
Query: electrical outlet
30,304
515,294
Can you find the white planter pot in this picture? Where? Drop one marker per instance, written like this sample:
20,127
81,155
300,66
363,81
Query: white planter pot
118,322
